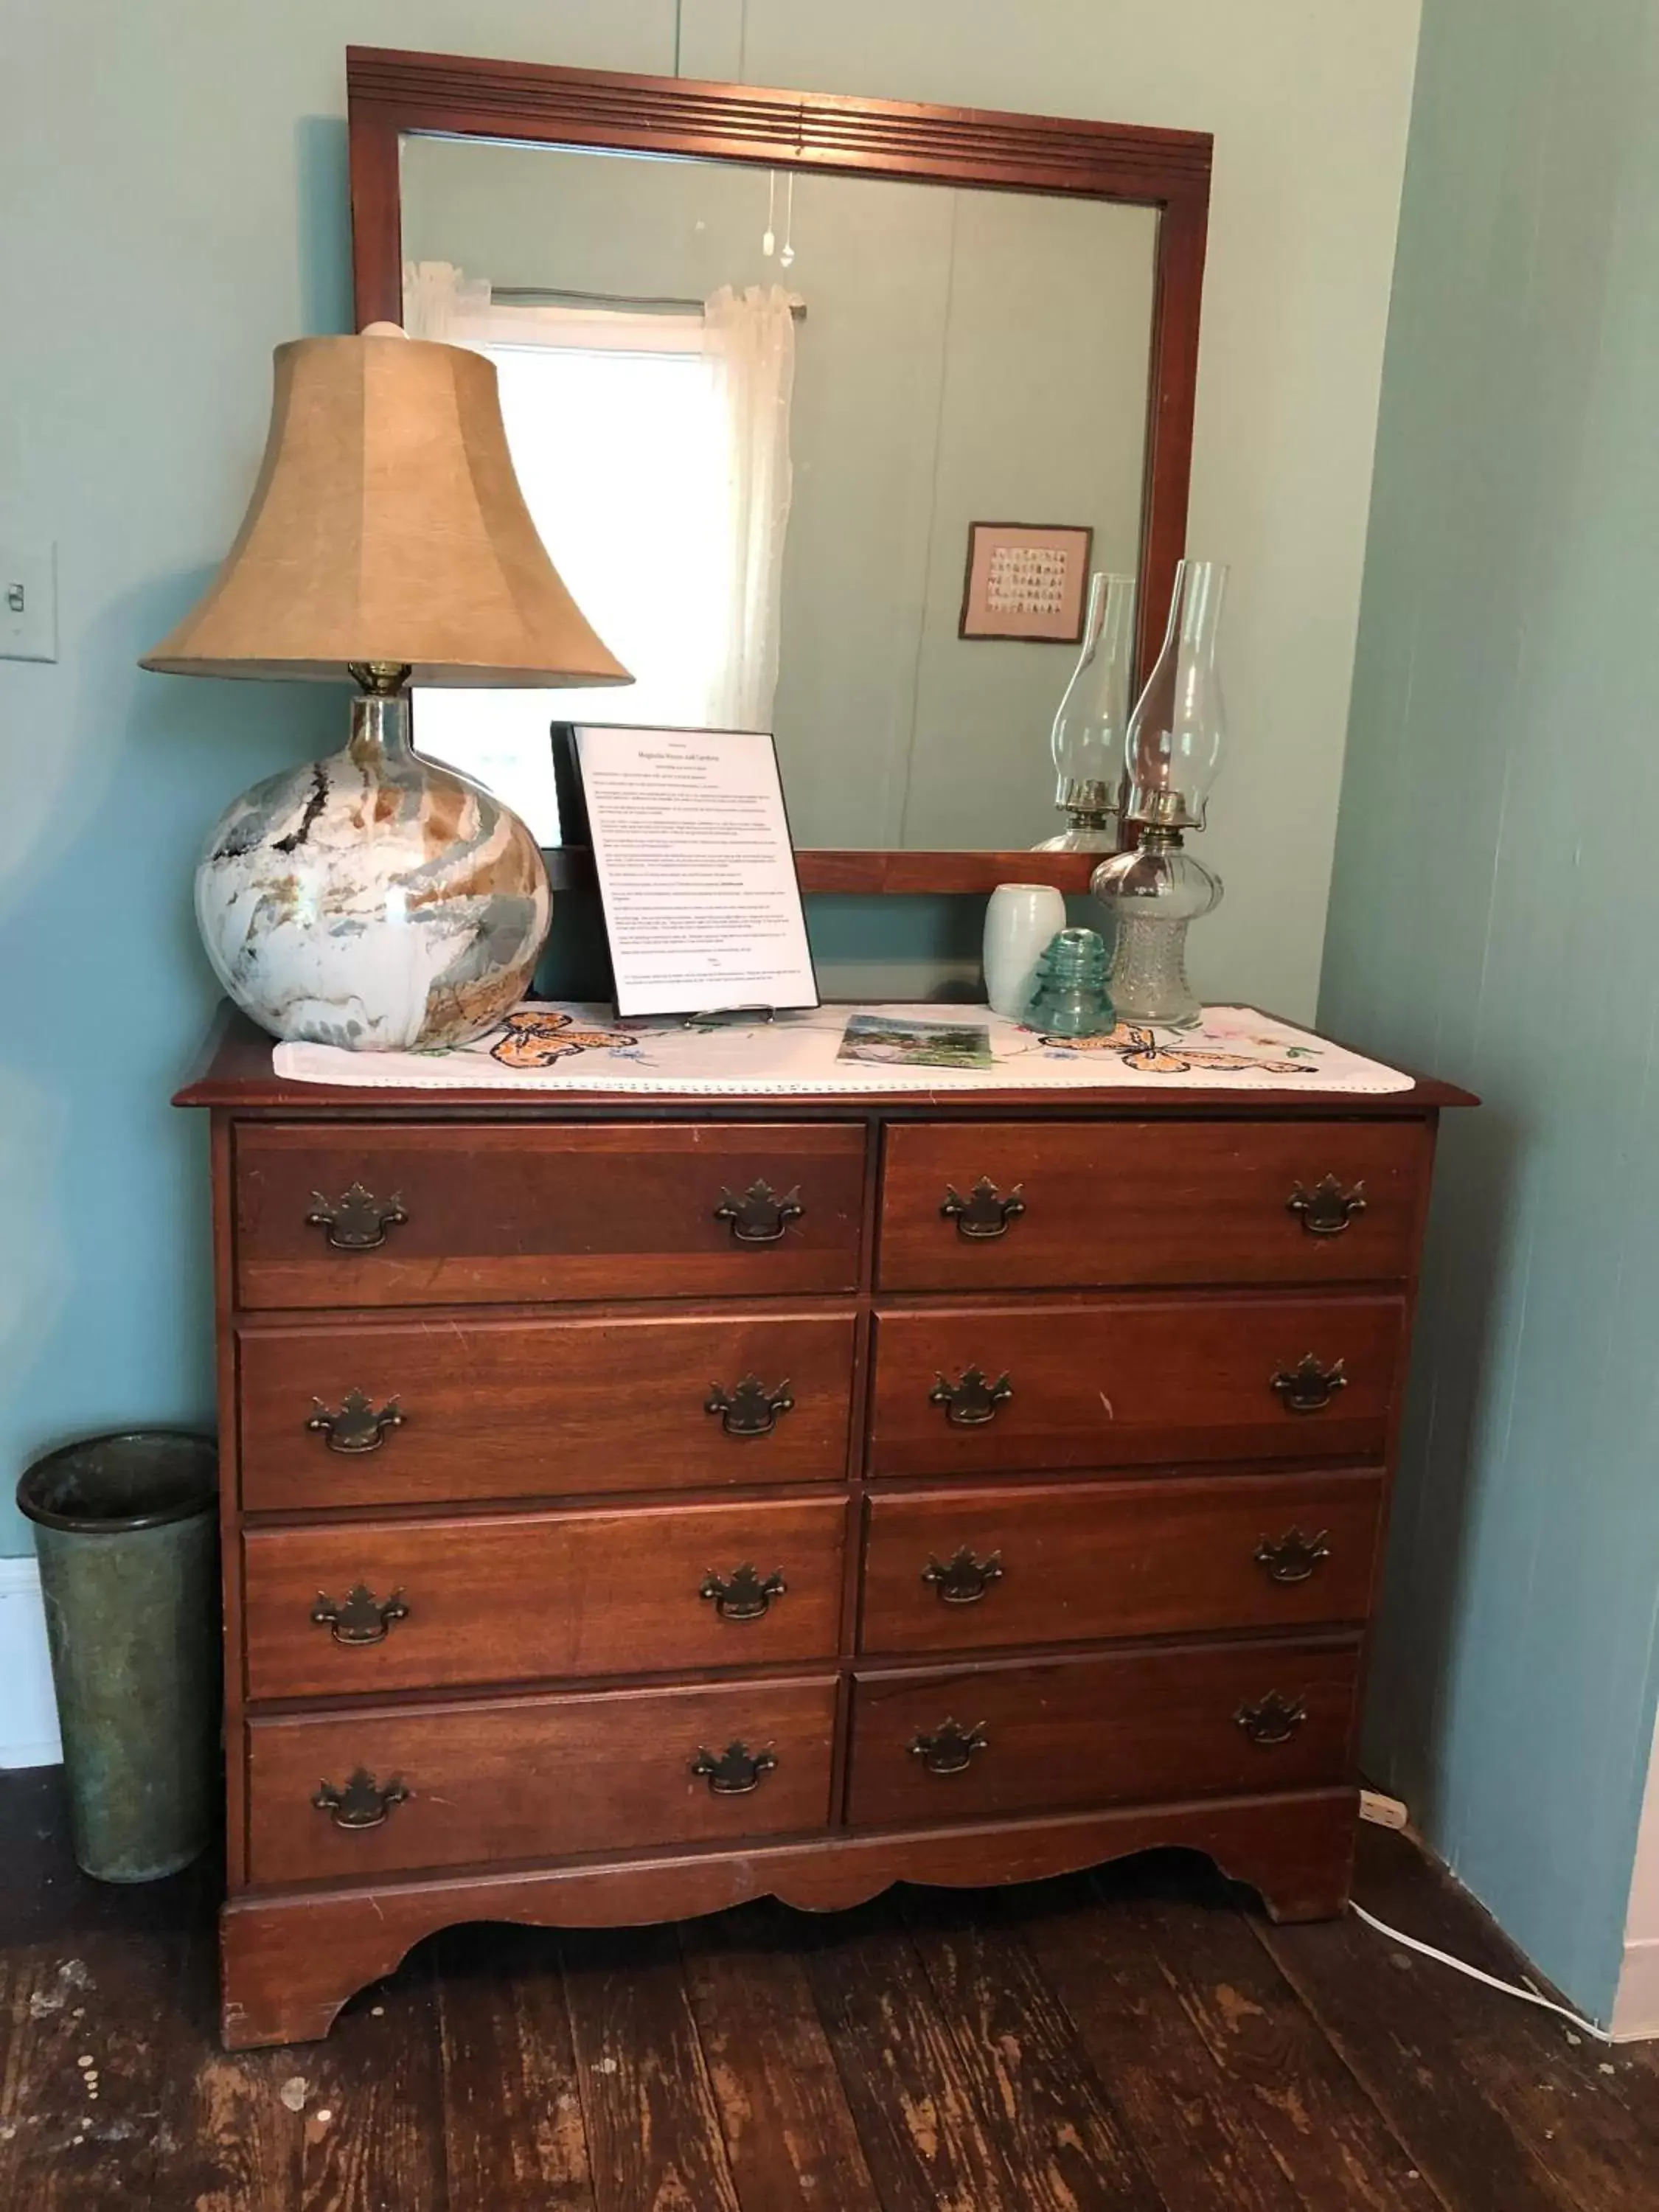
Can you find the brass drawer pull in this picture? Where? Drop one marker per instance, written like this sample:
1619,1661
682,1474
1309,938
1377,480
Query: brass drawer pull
744,1596
1306,1387
984,1213
1327,1209
362,1804
1294,1557
963,1580
357,1222
760,1216
951,1747
750,1410
972,1399
1274,1719
361,1618
356,1427
736,1772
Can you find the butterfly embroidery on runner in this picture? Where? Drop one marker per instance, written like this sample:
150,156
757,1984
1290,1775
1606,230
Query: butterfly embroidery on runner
537,1038
1140,1051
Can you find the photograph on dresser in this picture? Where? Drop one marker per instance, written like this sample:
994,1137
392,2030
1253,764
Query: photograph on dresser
798,1482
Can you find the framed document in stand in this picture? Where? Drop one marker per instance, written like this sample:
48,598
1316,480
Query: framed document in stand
696,870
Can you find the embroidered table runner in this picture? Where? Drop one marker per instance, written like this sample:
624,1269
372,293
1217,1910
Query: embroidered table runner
547,1046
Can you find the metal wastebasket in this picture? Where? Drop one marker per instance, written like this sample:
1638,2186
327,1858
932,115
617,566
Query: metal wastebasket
126,1534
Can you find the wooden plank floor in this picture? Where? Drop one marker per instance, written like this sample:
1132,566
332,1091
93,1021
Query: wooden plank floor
1140,2039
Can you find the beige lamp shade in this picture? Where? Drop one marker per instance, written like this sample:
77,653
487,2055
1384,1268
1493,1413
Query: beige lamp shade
387,525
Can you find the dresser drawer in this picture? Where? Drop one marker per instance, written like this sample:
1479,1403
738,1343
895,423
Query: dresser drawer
1075,1563
1104,1203
462,1214
524,1597
532,1778
1112,1382
480,1409
1067,1733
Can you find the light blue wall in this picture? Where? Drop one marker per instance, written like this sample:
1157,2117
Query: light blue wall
172,203
1494,916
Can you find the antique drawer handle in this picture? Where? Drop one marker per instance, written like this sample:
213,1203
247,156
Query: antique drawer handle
1327,1209
963,1580
361,1618
356,1427
972,1399
362,1804
1306,1387
744,1596
750,1410
736,1772
1274,1719
357,1222
760,1216
1294,1557
950,1746
984,1213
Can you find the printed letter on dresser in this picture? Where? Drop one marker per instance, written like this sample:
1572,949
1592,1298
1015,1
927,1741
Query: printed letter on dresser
634,1506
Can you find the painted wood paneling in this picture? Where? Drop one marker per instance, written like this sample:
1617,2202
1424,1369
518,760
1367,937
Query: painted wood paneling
1495,912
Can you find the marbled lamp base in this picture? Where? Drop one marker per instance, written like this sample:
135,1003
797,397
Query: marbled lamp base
372,899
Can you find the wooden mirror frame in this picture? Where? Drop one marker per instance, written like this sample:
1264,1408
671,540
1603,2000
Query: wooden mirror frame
391,95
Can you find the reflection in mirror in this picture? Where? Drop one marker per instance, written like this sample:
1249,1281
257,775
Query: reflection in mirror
761,472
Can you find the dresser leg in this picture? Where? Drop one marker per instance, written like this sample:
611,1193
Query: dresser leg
1301,1866
284,1975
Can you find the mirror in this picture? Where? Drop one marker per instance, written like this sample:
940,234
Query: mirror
826,440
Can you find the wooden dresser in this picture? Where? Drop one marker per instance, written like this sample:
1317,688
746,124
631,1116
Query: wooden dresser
631,1507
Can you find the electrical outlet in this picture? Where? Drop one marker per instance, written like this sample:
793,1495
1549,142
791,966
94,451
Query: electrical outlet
1385,1812
28,601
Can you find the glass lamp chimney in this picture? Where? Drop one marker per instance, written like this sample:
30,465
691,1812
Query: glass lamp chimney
1087,740
1175,732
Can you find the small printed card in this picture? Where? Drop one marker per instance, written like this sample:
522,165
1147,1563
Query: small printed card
896,1044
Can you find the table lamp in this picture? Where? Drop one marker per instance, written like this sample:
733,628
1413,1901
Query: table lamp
374,899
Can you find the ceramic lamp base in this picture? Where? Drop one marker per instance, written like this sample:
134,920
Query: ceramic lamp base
372,899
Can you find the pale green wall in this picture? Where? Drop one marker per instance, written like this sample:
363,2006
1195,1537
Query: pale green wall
1042,418
172,205
962,356
1494,917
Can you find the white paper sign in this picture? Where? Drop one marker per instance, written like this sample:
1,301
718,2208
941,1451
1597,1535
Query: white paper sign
696,869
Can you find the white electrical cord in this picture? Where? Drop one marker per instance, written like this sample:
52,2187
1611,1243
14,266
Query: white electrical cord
1475,1973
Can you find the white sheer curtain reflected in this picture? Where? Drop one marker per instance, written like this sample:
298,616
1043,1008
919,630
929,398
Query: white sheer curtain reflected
440,302
654,452
750,339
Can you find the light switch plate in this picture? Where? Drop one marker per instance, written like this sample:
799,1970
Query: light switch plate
28,601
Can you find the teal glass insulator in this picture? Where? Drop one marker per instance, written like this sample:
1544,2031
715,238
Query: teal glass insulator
1070,999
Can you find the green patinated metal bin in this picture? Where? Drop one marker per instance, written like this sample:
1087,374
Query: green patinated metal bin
126,1532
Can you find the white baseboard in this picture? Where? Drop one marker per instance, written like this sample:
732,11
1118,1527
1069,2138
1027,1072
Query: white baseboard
1636,2007
28,1712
